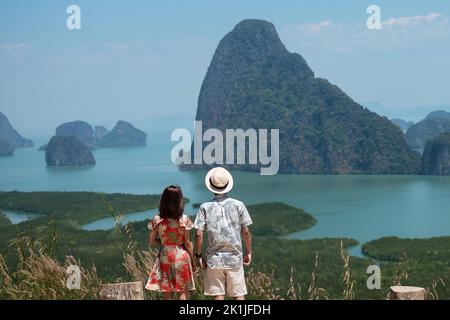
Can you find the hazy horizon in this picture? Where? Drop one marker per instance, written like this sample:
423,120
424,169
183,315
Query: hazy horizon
141,62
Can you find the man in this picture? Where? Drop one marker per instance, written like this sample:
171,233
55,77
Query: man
225,219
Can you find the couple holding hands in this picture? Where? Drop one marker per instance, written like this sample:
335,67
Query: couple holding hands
226,221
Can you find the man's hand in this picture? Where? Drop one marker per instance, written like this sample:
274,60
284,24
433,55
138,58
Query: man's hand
247,259
202,262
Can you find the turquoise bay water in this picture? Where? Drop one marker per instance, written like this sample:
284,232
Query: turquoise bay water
109,223
18,217
360,207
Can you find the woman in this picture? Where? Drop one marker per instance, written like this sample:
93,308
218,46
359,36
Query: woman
172,273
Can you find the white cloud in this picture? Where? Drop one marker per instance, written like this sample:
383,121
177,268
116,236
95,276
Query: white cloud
15,48
317,27
411,20
396,34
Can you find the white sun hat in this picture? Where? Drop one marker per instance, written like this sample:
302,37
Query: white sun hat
218,180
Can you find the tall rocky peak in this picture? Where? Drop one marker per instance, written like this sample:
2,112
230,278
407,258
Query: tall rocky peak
253,81
252,39
249,57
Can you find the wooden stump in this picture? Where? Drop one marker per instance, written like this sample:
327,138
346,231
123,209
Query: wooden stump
406,293
122,291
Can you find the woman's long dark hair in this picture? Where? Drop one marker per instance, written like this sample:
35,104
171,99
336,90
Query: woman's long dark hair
171,204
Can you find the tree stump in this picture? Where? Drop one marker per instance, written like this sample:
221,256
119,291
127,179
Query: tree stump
406,293
122,291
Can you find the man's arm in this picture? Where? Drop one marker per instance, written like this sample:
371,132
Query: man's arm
199,247
198,242
247,236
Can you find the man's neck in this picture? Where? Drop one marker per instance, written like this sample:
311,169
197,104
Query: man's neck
220,196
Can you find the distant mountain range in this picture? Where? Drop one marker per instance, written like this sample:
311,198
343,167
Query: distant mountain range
414,114
253,81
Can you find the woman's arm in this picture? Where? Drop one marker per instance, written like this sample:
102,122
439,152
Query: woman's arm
154,242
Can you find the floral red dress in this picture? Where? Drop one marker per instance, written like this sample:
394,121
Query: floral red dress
172,271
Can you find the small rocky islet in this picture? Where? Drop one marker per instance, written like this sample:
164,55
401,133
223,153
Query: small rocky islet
10,138
68,151
73,142
6,149
123,135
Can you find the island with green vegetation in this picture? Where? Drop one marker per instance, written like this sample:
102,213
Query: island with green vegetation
77,207
282,268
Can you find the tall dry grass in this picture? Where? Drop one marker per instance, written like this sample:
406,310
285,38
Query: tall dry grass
39,276
314,292
431,293
348,293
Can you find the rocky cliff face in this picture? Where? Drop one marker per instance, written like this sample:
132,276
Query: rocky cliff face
68,151
80,130
253,81
10,135
436,157
123,135
6,149
100,132
433,125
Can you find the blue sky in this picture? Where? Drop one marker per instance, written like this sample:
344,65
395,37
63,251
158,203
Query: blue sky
141,60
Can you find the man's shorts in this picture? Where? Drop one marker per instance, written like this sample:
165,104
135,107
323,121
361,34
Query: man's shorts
220,282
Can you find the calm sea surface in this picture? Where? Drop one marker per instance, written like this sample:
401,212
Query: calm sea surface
359,207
